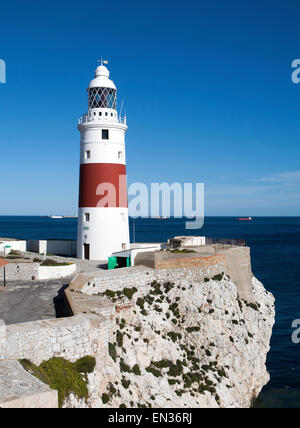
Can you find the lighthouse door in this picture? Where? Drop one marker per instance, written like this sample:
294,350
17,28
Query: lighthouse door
86,248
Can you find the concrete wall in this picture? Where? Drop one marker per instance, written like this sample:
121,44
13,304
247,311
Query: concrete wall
58,247
20,390
54,272
14,244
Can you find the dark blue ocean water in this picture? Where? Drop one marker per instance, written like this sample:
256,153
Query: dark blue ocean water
275,249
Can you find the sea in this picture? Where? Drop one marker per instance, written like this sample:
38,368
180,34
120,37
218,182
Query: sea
275,251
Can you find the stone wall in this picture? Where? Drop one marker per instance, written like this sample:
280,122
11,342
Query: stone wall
21,271
28,271
234,261
71,338
141,277
189,262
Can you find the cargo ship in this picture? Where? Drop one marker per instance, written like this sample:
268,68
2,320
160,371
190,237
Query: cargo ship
245,218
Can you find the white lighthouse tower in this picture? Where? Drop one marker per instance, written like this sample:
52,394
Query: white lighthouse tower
103,226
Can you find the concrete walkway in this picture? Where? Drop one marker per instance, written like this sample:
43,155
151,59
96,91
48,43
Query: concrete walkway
38,300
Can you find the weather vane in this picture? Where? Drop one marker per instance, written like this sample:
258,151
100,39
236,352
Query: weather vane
102,61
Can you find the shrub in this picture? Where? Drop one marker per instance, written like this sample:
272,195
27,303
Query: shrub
62,375
218,277
119,339
50,262
112,351
173,381
192,329
175,370
126,383
85,365
105,398
184,251
140,302
253,306
162,364
110,293
124,367
129,292
174,336
14,257
136,370
153,371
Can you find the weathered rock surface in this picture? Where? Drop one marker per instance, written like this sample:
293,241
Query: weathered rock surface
186,344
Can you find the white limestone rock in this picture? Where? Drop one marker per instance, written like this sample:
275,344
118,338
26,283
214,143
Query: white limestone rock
222,343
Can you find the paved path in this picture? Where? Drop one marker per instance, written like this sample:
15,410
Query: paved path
38,300
31,301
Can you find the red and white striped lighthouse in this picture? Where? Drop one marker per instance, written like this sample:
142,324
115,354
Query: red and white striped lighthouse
103,226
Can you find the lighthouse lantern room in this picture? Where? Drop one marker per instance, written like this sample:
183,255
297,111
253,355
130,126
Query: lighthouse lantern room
103,226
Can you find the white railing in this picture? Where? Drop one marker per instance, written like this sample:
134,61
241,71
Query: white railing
91,118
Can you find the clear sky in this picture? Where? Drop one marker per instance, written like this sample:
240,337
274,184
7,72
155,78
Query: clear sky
207,86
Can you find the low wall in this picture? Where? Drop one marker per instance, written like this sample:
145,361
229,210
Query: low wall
57,247
55,272
188,262
30,271
14,244
20,390
141,277
71,338
22,271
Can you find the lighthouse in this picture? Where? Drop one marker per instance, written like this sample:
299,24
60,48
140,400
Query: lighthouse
103,226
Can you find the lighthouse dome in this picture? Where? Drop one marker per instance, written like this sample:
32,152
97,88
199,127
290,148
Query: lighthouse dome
102,79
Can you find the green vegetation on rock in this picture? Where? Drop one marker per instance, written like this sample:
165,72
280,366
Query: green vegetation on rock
64,376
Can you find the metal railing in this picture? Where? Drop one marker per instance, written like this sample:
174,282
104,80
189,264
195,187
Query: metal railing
87,118
226,241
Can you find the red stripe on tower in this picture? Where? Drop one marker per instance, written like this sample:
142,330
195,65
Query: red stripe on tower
97,182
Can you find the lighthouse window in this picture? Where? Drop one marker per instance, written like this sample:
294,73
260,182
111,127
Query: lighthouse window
87,217
105,134
102,98
88,154
120,155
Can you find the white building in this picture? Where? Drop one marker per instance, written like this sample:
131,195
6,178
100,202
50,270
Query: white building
103,226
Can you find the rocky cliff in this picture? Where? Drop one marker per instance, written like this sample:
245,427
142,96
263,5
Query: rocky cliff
185,344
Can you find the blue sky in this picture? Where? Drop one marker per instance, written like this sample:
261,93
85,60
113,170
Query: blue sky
207,87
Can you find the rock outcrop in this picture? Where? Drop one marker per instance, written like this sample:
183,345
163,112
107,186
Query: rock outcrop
185,344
